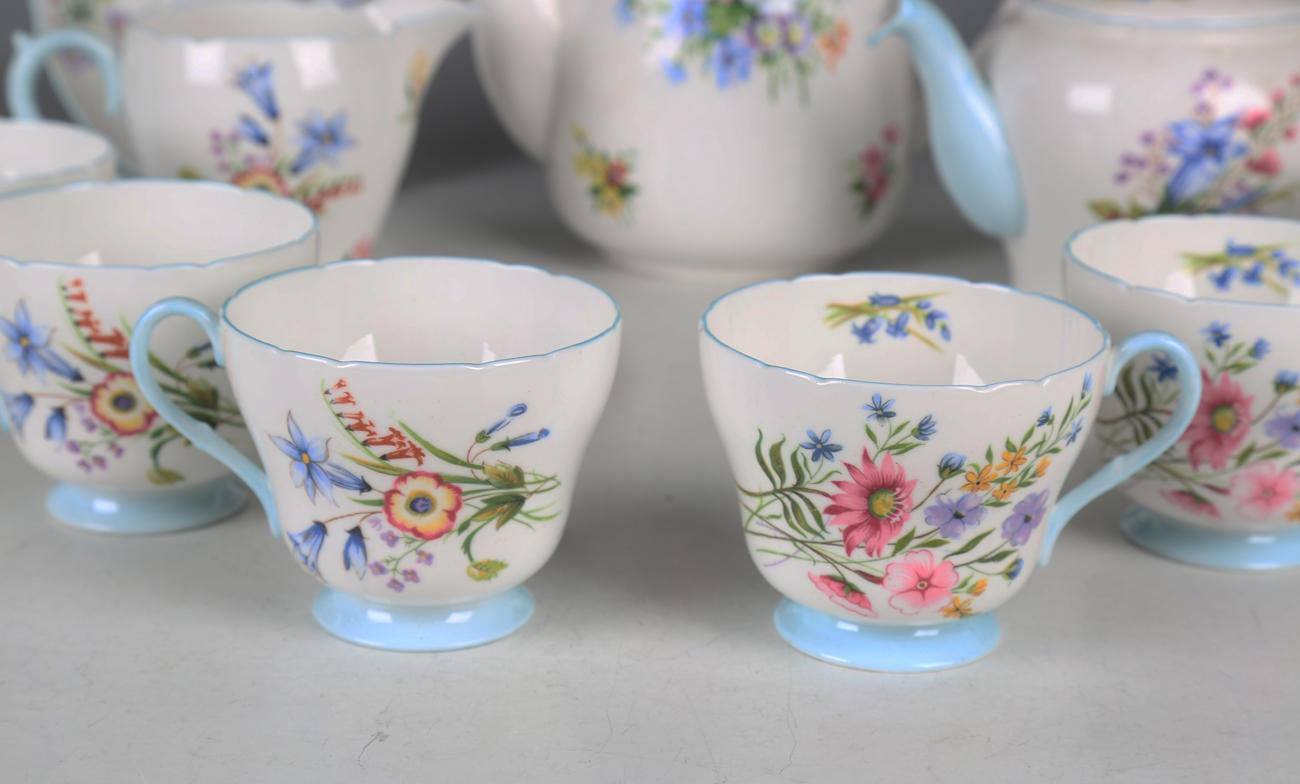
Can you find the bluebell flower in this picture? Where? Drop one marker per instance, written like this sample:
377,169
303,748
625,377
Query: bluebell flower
1045,417
1075,429
345,479
1222,279
925,428
1013,570
56,426
923,304
955,516
821,446
1204,151
524,440
1217,334
1286,429
674,72
933,317
687,18
898,327
885,300
257,80
732,61
951,465
1260,349
867,332
518,410
321,138
1163,367
29,347
354,552
307,468
1285,264
18,407
944,333
1026,516
250,130
1234,248
1087,383
1254,275
1285,381
307,544
879,410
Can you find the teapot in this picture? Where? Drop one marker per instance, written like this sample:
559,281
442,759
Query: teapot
1125,108
740,138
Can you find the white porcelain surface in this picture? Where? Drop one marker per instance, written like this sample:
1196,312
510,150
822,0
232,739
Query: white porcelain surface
78,265
35,154
1236,467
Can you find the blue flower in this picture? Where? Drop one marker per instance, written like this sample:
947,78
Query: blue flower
1285,264
1222,279
1285,428
925,428
933,317
250,130
1204,150
341,477
29,347
625,12
674,72
879,410
732,61
1163,367
1253,276
306,545
524,440
321,138
18,406
256,80
1285,381
307,468
955,516
1260,349
56,426
1087,383
951,465
1013,571
354,552
867,332
1027,515
898,327
1234,248
821,447
1218,334
1045,418
944,333
885,300
1075,429
687,18
518,410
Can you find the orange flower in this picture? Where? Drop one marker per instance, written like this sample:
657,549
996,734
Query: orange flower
960,608
834,43
978,588
1012,462
1294,514
1042,467
1005,490
981,482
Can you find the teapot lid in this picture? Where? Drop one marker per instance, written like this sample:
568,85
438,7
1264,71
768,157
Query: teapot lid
1177,13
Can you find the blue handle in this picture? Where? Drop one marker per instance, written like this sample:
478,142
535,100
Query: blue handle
970,144
1124,466
30,54
201,435
4,419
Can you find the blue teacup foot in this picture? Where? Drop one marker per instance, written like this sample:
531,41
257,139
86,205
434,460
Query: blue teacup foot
1239,550
106,510
422,629
939,646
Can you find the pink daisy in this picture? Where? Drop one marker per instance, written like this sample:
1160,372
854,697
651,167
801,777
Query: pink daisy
873,506
1221,423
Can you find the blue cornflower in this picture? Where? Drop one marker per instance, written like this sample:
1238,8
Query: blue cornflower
951,465
354,552
925,428
732,61
1204,151
56,426
518,410
1254,275
687,18
885,300
1087,383
1234,248
1285,428
309,457
933,317
306,545
1285,381
321,138
1163,367
1014,569
1218,334
867,332
256,79
821,446
1075,429
524,440
18,407
1222,279
250,130
1045,417
29,347
879,410
1027,515
955,516
1260,349
898,327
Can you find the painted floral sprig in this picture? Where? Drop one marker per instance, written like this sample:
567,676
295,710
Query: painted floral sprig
1251,265
895,316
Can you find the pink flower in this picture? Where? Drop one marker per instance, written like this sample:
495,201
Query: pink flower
1263,489
1253,118
891,134
873,506
1190,502
1221,423
918,583
843,594
1267,163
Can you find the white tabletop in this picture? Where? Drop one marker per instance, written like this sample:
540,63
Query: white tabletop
652,656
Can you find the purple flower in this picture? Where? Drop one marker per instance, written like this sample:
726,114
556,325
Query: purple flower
391,539
99,462
955,516
394,585
796,33
377,568
83,465
410,575
423,557
116,449
1027,515
1285,428
732,61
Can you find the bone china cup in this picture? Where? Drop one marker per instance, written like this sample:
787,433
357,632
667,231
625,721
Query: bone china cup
899,444
35,153
421,421
78,265
1227,495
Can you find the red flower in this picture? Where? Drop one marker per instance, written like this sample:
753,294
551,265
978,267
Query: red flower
1191,502
873,506
1267,163
843,594
1222,422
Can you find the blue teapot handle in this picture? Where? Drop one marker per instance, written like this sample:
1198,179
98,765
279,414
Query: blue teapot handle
971,149
1126,465
201,435
30,54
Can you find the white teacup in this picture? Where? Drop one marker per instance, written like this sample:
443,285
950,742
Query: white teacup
78,265
900,443
421,421
35,154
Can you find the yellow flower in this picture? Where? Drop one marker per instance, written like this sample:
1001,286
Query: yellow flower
1005,490
589,166
978,483
1011,463
960,608
610,201
978,588
422,505
418,71
1042,467
116,401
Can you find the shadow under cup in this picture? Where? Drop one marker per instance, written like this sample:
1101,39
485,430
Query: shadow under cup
899,443
421,422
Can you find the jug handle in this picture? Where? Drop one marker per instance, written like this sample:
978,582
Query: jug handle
1126,465
29,56
971,149
199,434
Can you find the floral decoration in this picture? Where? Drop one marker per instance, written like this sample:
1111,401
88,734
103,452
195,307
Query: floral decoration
874,170
919,537
1249,265
893,316
1223,158
401,495
608,175
419,72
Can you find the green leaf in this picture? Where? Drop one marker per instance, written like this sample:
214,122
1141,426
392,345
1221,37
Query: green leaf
798,469
996,504
971,545
817,515
1028,434
1010,447
936,542
162,476
508,513
445,457
497,505
904,448
94,362
462,528
800,519
485,570
870,434
778,464
999,556
988,456
379,468
504,476
903,542
1245,454
367,501
758,454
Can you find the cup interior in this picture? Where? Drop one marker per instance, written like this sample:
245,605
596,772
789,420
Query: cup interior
904,329
1229,257
421,311
35,149
147,223
249,18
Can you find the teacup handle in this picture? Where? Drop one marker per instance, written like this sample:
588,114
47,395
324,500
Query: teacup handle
30,55
1126,465
201,435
